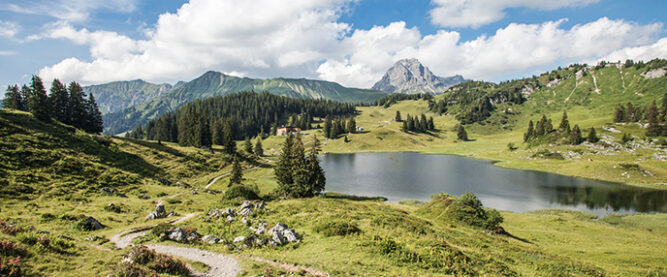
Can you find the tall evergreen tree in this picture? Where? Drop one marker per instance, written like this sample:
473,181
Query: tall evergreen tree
592,136
13,99
25,95
653,128
619,114
316,178
95,123
237,173
60,101
461,133
398,116
564,124
283,169
327,127
352,125
230,144
300,173
529,133
248,146
575,136
405,127
259,151
77,105
431,125
38,103
217,133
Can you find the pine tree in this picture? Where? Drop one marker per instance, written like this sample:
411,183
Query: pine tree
529,133
575,136
283,169
423,123
217,133
352,126
12,98
663,113
259,151
25,95
301,174
405,127
431,125
38,103
592,136
564,124
461,133
630,113
248,146
77,106
539,128
316,178
335,130
411,123
653,128
327,127
228,132
95,123
398,116
237,173
619,114
60,101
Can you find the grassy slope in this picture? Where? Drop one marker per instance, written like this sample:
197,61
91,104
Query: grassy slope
358,254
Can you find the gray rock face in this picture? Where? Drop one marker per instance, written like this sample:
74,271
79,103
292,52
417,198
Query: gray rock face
410,76
281,234
177,234
210,239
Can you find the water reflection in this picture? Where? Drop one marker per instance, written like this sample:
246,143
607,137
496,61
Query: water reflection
403,176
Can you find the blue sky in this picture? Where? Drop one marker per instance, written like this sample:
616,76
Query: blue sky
351,42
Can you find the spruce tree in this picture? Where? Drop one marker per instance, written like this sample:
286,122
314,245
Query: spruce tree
248,146
259,151
217,133
38,103
461,133
653,128
564,124
619,114
575,136
59,101
592,136
335,130
398,116
529,133
327,127
423,123
12,98
95,123
431,125
237,173
352,126
25,95
316,178
300,173
283,169
77,106
228,132
404,127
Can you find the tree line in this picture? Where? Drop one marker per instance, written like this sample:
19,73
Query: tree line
416,124
68,105
223,119
544,130
333,128
656,119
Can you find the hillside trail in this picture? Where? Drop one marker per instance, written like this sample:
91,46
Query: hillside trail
225,175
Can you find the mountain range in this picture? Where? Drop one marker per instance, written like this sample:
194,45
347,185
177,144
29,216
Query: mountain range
137,112
410,76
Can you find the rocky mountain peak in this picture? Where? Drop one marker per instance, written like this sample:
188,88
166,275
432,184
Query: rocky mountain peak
410,76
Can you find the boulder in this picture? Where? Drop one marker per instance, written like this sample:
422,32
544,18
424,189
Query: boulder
228,211
177,234
239,239
93,223
281,234
193,236
245,221
246,212
247,205
159,209
210,239
108,191
260,206
230,218
261,229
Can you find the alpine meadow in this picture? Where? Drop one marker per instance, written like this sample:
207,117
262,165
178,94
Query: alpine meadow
333,138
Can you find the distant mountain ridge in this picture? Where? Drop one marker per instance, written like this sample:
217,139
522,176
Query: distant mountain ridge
410,76
214,83
115,96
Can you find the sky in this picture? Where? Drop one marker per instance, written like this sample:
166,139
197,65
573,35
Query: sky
352,42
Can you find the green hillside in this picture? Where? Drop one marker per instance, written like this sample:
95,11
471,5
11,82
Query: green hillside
52,179
214,84
115,96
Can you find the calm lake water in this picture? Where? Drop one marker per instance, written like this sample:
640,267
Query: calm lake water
413,176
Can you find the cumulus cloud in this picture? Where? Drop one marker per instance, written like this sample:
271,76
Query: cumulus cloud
476,13
515,48
267,38
264,37
8,29
645,53
69,10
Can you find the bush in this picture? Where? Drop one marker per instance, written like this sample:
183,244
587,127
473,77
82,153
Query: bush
161,228
9,229
240,191
469,209
28,238
8,248
336,227
45,217
131,270
10,267
158,262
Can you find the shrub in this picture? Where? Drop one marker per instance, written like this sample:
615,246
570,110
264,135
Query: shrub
336,227
240,191
102,140
131,270
158,262
161,228
29,238
9,229
10,267
45,217
469,209
8,248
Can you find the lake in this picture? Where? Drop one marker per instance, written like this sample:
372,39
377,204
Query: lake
413,176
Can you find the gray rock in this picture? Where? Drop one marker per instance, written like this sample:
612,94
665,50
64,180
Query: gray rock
247,205
177,234
245,221
95,225
193,236
410,76
246,212
259,206
228,211
281,234
230,218
239,239
261,229
159,209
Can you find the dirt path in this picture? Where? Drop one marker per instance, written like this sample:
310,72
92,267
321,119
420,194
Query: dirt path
290,267
220,265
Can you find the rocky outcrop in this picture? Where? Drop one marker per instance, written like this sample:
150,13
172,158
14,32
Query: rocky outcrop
410,76
281,234
160,212
655,73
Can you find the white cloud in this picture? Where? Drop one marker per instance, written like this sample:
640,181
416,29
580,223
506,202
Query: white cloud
8,29
475,13
7,53
263,38
515,48
645,53
69,10
267,38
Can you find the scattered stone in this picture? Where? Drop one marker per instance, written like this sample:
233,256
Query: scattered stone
94,238
261,229
239,239
108,191
230,218
160,212
247,205
228,211
245,221
210,239
282,234
177,234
